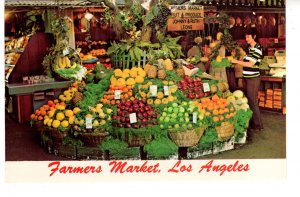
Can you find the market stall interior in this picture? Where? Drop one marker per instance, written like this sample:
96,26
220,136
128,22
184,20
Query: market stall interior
141,80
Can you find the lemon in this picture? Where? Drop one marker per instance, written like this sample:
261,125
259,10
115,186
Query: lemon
130,81
65,123
55,123
61,107
71,120
46,121
69,113
60,116
49,122
62,97
76,110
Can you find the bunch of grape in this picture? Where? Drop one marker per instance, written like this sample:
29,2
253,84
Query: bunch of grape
161,19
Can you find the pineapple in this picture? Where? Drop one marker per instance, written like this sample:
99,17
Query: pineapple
168,64
180,71
152,72
78,96
161,74
147,67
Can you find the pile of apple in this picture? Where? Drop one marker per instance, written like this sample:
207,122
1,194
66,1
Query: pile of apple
145,115
192,88
180,116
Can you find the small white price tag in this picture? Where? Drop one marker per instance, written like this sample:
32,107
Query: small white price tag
66,51
206,87
88,123
195,117
132,118
117,94
166,90
153,90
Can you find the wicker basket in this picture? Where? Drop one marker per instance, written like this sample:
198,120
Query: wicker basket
186,138
93,139
137,140
225,131
57,135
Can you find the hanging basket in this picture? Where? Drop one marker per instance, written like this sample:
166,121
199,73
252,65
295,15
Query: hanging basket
225,131
93,139
57,135
186,138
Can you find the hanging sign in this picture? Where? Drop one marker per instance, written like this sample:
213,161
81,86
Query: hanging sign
186,18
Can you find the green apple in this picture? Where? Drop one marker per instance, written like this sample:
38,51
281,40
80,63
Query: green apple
174,105
180,114
162,126
170,109
184,125
166,119
175,110
190,126
169,127
181,119
161,119
164,114
173,115
176,126
187,119
173,120
186,114
181,109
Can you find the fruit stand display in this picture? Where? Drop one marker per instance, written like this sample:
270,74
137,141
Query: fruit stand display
156,109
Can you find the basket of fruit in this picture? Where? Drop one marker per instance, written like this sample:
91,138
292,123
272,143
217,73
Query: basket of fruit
94,138
186,138
225,131
92,125
57,134
184,123
134,122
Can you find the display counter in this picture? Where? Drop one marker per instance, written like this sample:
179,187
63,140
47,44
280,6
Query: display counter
23,98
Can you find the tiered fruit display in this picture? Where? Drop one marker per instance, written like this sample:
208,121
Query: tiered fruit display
192,88
220,109
180,116
146,115
160,98
100,115
126,93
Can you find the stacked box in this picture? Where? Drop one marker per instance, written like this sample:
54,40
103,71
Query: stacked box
269,98
277,99
261,98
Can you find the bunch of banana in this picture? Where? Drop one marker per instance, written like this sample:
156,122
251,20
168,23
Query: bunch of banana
64,62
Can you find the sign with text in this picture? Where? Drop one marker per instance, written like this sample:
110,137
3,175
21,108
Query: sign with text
186,18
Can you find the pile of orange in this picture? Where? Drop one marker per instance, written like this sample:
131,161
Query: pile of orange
219,108
126,94
40,113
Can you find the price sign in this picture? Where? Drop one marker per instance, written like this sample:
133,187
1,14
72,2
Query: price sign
166,90
206,87
88,123
132,118
195,117
153,90
117,94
